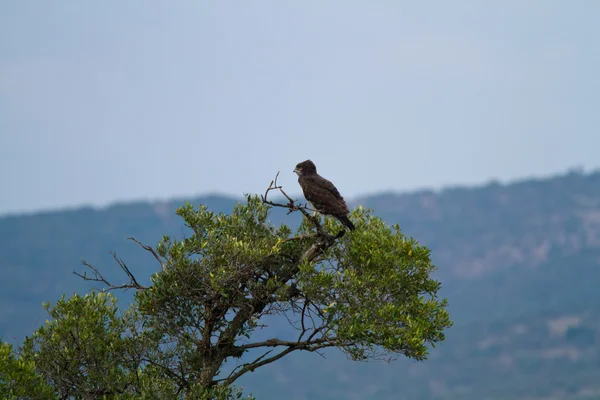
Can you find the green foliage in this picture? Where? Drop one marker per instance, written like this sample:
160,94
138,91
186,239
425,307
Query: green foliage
19,378
374,287
86,347
380,292
368,293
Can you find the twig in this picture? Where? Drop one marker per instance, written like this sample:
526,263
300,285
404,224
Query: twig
97,276
292,206
147,248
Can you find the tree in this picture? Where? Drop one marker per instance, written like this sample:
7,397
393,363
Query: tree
369,293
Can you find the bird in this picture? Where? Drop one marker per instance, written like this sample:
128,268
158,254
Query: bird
322,194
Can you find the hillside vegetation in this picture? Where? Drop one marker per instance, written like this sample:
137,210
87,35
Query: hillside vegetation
520,265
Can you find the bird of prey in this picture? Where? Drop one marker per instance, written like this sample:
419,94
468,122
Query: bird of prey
322,194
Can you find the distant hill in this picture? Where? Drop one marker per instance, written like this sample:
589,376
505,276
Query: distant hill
519,262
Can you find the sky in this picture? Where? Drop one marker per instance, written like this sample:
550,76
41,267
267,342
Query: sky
111,101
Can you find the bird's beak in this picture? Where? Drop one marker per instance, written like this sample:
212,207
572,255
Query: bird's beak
296,171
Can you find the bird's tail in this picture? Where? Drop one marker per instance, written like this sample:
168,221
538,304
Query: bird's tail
346,221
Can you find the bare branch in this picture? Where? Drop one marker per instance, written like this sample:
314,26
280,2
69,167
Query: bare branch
288,343
291,205
147,248
259,362
97,276
233,372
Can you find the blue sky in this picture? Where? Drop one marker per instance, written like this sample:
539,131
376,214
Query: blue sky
113,100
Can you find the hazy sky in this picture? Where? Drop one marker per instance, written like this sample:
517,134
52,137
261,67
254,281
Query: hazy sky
118,100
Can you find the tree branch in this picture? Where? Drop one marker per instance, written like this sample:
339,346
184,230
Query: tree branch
260,361
147,248
97,276
288,343
292,206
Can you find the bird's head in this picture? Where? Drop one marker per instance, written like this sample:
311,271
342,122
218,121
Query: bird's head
305,167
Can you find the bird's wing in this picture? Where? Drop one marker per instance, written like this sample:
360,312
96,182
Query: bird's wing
327,185
323,195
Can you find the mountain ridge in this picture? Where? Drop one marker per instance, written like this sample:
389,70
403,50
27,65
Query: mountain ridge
519,263
355,199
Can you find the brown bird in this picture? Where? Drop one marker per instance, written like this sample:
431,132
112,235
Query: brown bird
322,194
